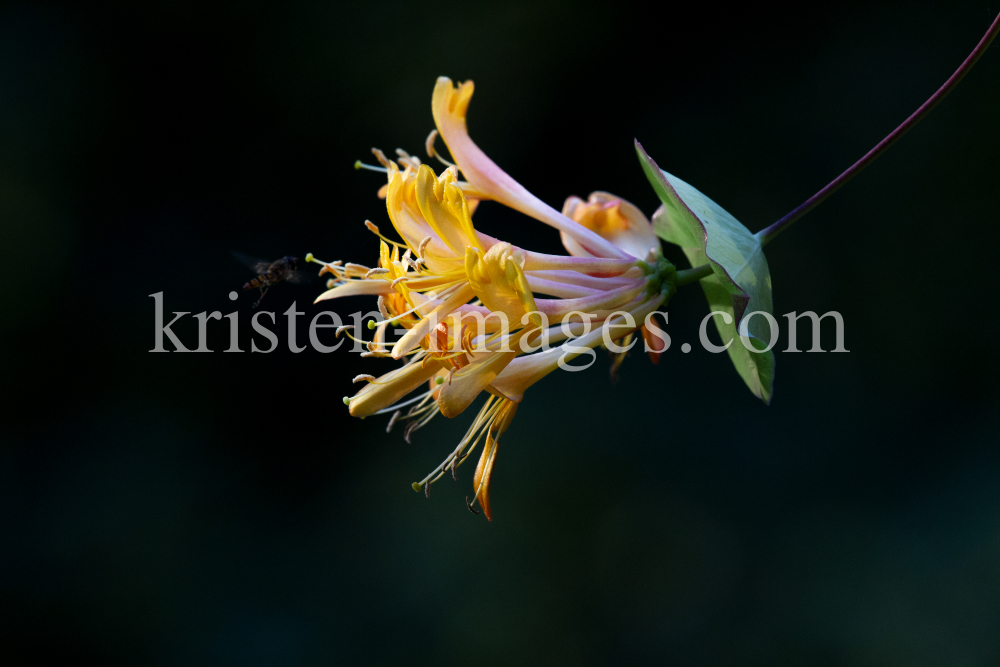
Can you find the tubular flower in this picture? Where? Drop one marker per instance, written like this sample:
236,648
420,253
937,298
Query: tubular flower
450,105
473,311
623,224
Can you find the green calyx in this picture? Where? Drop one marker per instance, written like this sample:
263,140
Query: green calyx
661,276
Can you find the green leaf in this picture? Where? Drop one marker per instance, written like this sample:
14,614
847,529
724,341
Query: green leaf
740,283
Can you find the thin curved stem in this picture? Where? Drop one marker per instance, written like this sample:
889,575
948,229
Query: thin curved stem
768,234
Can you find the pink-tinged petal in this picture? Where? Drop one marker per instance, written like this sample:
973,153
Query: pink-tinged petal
583,280
592,266
555,309
525,371
558,289
449,106
357,288
614,219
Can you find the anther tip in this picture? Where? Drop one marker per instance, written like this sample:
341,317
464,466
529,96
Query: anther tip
347,400
330,283
416,486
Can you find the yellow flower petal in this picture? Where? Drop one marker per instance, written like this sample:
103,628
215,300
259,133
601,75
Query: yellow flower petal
500,283
484,470
466,384
391,387
444,207
401,203
355,288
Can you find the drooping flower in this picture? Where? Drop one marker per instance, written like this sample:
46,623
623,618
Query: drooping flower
472,309
614,219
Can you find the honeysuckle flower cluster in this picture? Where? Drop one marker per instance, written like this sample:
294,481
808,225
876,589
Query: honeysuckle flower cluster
471,307
475,311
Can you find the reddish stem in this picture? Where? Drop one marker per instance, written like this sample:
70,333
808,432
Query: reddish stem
767,234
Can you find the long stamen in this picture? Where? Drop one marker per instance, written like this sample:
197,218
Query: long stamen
331,267
411,401
485,416
422,405
358,164
418,411
373,228
431,152
352,337
370,344
416,426
392,421
447,292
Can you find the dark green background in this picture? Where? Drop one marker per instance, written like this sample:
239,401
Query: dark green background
222,508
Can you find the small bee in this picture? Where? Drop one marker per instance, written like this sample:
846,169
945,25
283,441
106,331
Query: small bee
271,273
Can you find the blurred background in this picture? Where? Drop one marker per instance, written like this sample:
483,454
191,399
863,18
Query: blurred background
162,509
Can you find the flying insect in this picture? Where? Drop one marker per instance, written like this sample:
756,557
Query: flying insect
271,273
